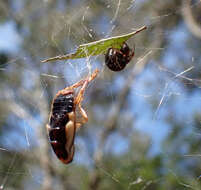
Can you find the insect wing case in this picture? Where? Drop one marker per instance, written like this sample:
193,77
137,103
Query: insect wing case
62,106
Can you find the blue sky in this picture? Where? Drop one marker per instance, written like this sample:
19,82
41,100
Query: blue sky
9,39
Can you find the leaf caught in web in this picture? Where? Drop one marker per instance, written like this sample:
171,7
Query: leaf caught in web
97,47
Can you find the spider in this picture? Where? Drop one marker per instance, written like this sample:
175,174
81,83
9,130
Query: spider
63,122
117,59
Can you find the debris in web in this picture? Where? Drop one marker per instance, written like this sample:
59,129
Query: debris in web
97,47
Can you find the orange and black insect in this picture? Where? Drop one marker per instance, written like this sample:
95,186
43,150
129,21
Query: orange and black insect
116,60
63,122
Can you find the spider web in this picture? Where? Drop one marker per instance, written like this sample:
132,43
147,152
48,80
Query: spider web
163,95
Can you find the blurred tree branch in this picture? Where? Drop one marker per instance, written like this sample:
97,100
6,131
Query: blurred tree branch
111,122
190,21
43,157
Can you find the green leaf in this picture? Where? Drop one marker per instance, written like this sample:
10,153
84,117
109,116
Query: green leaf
97,47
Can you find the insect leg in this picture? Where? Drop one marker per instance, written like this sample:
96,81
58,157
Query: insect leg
70,88
83,120
78,84
79,99
80,95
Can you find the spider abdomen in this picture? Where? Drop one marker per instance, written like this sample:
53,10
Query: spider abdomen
116,60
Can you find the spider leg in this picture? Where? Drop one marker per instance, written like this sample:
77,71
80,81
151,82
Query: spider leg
131,55
132,52
116,60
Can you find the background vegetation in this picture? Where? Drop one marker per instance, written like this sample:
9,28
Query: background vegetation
144,122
